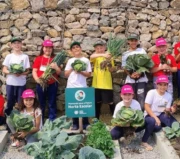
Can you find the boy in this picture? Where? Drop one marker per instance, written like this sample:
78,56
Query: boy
15,83
102,79
77,79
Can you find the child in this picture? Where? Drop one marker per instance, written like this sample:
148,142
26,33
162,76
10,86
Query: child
102,78
163,68
15,83
28,106
39,66
127,95
136,80
157,101
77,79
2,116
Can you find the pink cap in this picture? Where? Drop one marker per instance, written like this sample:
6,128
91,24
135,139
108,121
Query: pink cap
127,89
28,93
48,43
160,42
162,79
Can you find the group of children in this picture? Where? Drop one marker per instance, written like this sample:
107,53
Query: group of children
154,104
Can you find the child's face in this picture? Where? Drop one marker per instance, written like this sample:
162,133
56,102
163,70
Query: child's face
133,43
28,102
162,87
162,49
16,46
127,97
76,50
47,50
100,49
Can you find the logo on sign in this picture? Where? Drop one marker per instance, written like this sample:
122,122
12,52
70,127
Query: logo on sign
80,95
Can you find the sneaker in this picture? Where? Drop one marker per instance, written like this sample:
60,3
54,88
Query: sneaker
75,127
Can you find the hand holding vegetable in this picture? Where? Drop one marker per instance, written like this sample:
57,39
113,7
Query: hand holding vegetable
22,134
107,55
54,66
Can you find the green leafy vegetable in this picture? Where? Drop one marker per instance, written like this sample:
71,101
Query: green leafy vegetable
138,63
78,65
99,138
88,152
172,132
16,68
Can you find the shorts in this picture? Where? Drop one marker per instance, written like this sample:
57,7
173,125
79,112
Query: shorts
104,95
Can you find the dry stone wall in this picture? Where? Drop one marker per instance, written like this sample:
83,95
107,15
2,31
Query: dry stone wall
64,21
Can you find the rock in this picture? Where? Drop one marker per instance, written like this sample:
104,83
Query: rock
131,16
5,39
94,10
154,28
145,37
5,16
148,11
3,7
4,48
168,22
93,22
157,34
74,11
83,15
154,4
70,18
78,38
37,32
52,13
31,47
37,4
106,29
15,31
5,53
146,44
162,25
19,4
120,22
119,29
58,28
163,5
87,44
106,35
6,24
55,21
141,16
104,21
108,3
33,24
175,4
50,4
176,25
174,18
40,19
75,25
104,12
67,43
21,22
93,1
67,34
92,27
33,40
145,30
52,33
78,31
95,34
4,32
25,14
63,4
155,21
83,21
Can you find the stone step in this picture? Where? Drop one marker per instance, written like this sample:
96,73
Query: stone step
3,139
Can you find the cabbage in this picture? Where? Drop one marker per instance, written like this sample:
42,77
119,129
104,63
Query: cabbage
16,68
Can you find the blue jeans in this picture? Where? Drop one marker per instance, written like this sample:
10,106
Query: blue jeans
150,124
51,93
14,94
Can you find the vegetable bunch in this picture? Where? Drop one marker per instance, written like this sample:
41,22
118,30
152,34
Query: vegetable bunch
126,117
172,132
163,60
99,138
48,73
16,68
78,65
138,63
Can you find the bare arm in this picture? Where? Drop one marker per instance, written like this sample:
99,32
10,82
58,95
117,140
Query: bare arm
95,55
5,70
35,76
86,74
67,73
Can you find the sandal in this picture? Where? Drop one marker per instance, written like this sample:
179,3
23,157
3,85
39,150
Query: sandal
146,146
18,143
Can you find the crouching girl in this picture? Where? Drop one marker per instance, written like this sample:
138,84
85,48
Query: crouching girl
158,108
28,106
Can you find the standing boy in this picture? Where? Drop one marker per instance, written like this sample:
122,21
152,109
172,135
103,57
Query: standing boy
15,83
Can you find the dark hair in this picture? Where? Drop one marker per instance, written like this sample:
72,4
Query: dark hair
21,105
42,52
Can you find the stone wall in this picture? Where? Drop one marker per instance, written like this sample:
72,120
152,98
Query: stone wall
64,21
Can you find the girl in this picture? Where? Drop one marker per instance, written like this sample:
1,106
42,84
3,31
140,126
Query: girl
77,79
39,66
127,95
28,106
138,81
15,83
157,101
166,68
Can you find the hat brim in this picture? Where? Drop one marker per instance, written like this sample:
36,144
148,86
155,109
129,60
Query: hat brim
100,44
75,43
131,38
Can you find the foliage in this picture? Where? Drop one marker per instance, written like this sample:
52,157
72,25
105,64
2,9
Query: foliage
78,65
172,132
54,144
99,138
16,68
20,122
88,152
138,63
126,117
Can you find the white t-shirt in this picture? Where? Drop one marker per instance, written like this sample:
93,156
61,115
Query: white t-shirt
124,58
16,59
134,105
158,102
76,80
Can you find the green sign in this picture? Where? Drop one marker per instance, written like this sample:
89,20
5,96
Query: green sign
80,102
